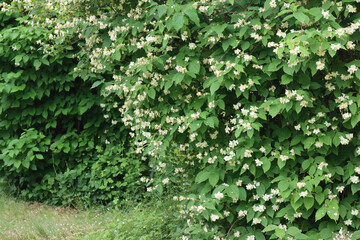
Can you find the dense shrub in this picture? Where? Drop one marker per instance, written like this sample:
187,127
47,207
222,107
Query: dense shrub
53,138
261,96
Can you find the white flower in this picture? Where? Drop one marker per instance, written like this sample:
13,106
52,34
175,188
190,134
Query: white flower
352,69
350,45
297,215
318,144
165,181
245,166
256,220
273,4
348,222
354,179
242,213
303,194
340,189
251,237
192,46
321,165
300,185
248,153
325,14
259,208
344,141
263,150
354,212
200,209
211,104
320,65
295,51
247,57
219,195
351,8
214,217
335,47
237,234
258,163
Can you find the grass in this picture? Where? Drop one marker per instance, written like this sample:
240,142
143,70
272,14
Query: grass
26,220
155,219
150,219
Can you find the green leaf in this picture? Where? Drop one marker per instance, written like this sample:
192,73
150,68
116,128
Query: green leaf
214,87
192,14
97,83
213,178
37,63
270,228
202,176
286,79
293,231
320,213
316,12
275,109
309,142
320,197
355,188
117,55
266,166
17,163
178,21
308,202
178,77
162,10
333,210
355,119
326,233
233,192
300,16
152,93
194,66
26,164
274,65
242,194
283,185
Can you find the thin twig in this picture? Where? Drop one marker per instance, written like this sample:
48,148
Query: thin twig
231,227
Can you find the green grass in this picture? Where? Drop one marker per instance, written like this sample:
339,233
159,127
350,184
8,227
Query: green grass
24,220
155,219
150,219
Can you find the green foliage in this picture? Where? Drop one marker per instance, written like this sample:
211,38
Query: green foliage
260,96
54,142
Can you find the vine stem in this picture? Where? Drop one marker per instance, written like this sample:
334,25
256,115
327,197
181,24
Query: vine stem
232,226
